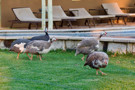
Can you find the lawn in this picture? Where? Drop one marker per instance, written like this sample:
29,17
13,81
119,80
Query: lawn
62,70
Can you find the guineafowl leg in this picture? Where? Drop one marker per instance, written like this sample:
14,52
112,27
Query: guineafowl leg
83,57
40,57
97,71
18,56
28,55
102,73
31,57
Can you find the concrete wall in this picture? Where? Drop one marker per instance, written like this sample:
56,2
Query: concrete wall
7,13
118,47
0,14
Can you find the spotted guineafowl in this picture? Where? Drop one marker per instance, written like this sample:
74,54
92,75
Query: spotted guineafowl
97,60
38,47
87,46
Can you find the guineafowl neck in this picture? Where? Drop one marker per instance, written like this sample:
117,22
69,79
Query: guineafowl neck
99,37
50,41
46,33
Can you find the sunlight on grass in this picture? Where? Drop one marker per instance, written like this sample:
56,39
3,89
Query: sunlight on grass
62,70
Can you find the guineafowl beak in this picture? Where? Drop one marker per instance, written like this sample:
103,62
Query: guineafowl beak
105,62
55,39
105,33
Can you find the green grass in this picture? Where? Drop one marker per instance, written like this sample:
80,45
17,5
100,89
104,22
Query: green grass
62,70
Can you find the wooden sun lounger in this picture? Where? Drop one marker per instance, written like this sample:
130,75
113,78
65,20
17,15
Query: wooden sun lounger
82,12
114,9
25,15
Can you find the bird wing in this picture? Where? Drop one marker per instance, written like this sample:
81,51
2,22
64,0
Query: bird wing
45,37
87,42
19,41
40,44
101,56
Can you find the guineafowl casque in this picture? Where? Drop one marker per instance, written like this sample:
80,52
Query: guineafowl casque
87,46
97,60
19,45
38,47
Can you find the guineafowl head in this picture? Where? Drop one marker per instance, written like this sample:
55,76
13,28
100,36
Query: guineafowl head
103,34
53,39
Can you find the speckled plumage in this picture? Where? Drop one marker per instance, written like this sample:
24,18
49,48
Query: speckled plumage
45,37
19,45
86,46
38,47
97,60
89,45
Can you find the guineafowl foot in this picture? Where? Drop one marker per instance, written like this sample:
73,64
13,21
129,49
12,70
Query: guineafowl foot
115,54
40,57
83,58
28,56
18,56
102,73
31,57
97,71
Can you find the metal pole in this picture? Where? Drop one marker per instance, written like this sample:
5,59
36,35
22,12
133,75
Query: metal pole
43,14
0,14
50,15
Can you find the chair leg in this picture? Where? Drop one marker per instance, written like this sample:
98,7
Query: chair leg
118,19
55,25
36,25
29,27
133,19
62,23
93,21
11,25
124,20
89,23
69,23
86,21
111,21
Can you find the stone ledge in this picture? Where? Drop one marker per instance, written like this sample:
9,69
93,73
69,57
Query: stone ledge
103,39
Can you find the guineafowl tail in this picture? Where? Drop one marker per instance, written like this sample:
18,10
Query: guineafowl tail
76,53
85,64
10,50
